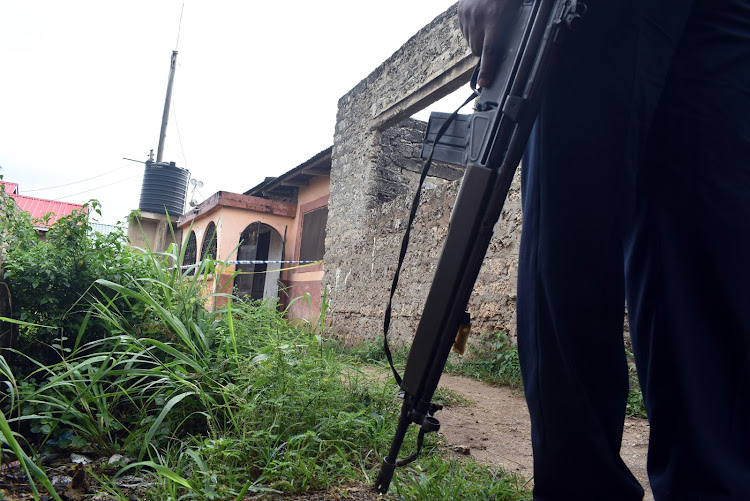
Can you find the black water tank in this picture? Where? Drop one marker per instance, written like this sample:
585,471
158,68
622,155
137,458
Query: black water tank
164,188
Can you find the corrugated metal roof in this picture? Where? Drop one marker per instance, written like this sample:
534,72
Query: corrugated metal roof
10,188
38,207
106,229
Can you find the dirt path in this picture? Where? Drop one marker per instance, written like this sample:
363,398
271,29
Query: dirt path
495,430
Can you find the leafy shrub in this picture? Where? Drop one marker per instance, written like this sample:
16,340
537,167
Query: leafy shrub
50,278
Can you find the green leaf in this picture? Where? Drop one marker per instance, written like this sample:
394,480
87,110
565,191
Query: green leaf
27,324
79,442
260,358
161,470
157,422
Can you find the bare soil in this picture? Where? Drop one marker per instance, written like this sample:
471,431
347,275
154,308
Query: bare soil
495,430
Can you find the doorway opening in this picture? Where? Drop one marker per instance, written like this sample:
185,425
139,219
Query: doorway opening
259,280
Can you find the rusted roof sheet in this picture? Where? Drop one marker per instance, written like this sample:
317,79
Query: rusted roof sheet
38,207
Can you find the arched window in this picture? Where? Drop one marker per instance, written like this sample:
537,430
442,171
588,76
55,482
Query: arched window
190,252
208,249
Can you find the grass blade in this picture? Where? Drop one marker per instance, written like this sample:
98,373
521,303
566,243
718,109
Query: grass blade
154,427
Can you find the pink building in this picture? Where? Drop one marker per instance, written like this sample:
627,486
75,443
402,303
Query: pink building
279,225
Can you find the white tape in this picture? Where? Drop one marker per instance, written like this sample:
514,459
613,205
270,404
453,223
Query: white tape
196,265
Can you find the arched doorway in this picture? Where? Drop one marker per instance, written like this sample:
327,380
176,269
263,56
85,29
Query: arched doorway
259,242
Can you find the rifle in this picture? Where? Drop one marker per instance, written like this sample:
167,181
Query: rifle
489,143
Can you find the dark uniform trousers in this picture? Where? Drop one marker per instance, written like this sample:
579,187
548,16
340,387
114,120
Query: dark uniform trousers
636,186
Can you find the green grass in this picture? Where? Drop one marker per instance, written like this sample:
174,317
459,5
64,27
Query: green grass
491,358
458,479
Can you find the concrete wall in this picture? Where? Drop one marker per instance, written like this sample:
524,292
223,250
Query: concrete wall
152,231
373,178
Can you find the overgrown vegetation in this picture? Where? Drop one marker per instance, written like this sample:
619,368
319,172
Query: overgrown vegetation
209,404
50,278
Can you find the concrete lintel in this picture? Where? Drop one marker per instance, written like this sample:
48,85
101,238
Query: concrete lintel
438,87
258,204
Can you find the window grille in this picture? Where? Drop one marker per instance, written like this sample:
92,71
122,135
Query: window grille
208,249
190,252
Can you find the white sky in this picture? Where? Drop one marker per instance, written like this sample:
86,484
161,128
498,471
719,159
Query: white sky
255,92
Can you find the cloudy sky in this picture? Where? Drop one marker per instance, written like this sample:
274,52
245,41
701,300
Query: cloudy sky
83,85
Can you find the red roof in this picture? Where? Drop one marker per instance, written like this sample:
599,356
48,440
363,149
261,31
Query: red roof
38,207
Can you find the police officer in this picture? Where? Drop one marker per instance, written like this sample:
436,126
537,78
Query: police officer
636,185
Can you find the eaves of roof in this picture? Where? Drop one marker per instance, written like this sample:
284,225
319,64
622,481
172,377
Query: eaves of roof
318,165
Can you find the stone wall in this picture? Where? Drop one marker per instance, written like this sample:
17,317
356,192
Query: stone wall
375,170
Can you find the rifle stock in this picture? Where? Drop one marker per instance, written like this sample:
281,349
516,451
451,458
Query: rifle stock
489,143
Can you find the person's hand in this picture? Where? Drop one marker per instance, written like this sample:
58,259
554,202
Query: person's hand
481,22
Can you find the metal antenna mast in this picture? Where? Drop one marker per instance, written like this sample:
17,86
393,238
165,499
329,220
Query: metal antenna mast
167,101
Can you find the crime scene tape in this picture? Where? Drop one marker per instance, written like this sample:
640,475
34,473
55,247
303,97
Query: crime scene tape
271,262
300,264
